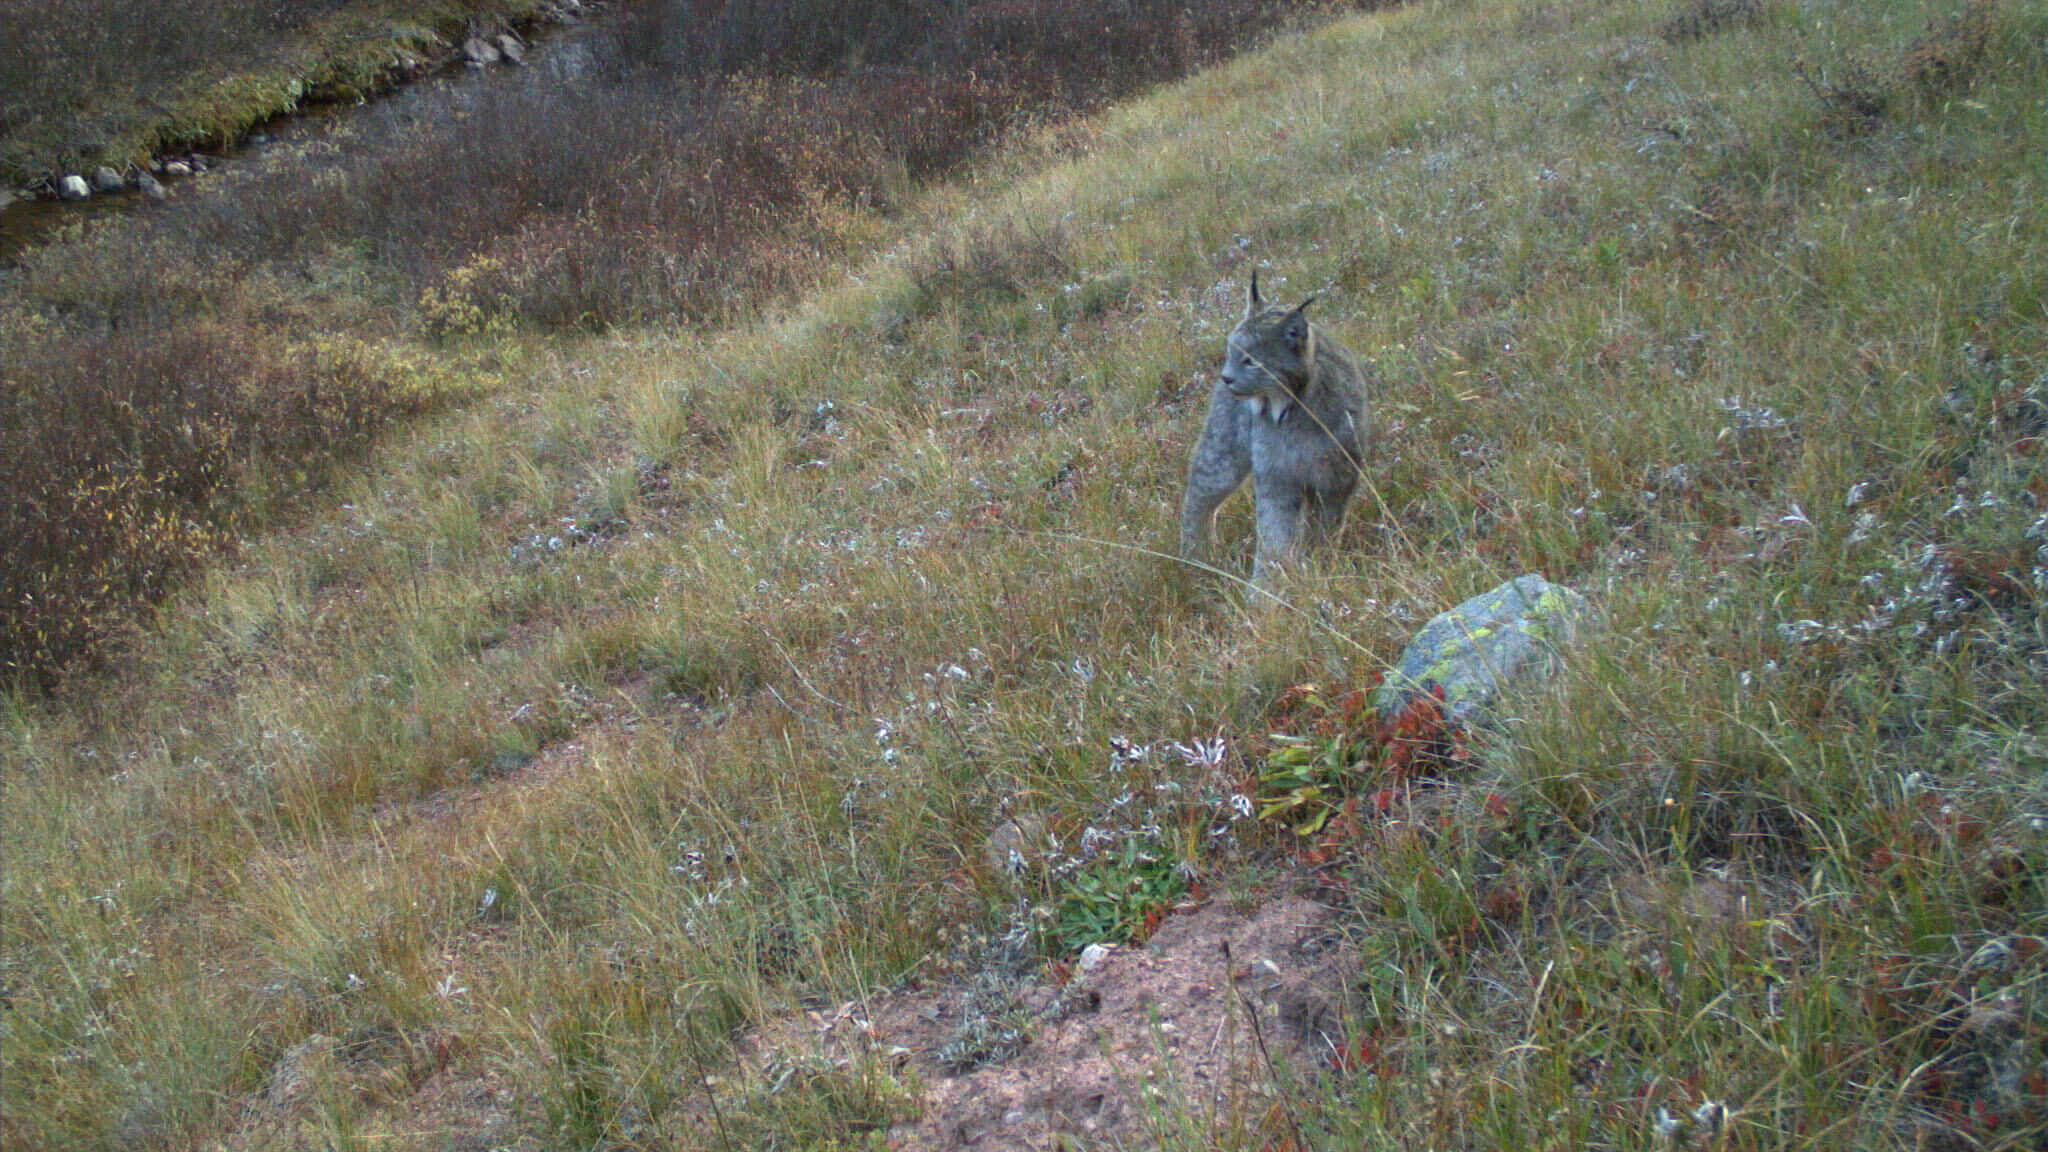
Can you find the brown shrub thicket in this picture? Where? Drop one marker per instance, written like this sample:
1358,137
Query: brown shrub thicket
121,457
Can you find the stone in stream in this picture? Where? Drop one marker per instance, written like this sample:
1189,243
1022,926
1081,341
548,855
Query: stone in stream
511,49
152,188
105,179
73,187
479,51
176,168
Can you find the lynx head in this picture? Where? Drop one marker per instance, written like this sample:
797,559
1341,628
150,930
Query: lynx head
1270,357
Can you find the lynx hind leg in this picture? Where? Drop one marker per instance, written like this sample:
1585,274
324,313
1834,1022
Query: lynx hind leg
1219,464
1326,518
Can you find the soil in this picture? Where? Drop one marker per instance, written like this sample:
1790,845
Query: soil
1209,1023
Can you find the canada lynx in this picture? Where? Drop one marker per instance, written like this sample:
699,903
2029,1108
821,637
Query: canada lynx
1290,410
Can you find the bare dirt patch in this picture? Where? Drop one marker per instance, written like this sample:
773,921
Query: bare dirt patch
1192,1026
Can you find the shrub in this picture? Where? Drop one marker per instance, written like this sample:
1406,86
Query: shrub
989,265
120,456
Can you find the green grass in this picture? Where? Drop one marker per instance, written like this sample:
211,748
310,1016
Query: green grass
658,645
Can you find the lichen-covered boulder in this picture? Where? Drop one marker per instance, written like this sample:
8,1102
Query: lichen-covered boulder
1474,651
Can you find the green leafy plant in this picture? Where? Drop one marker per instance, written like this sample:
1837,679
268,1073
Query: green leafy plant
1303,781
1313,771
1118,898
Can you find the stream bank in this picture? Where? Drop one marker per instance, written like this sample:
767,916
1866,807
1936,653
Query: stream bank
431,59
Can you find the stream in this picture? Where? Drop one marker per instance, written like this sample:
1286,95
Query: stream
555,53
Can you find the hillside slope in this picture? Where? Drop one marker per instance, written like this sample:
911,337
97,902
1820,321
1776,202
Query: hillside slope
693,680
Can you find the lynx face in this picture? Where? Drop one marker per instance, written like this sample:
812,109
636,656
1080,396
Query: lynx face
1267,360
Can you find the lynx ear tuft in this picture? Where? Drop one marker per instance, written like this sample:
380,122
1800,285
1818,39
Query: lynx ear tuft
1300,334
1253,302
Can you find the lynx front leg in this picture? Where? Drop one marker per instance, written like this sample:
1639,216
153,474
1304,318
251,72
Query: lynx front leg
1218,466
1280,515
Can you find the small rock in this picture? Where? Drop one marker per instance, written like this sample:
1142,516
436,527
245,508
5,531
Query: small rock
152,188
73,187
479,51
105,179
1094,955
1014,842
298,1070
177,168
511,49
257,139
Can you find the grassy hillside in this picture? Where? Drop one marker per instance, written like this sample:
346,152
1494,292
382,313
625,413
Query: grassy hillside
679,683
